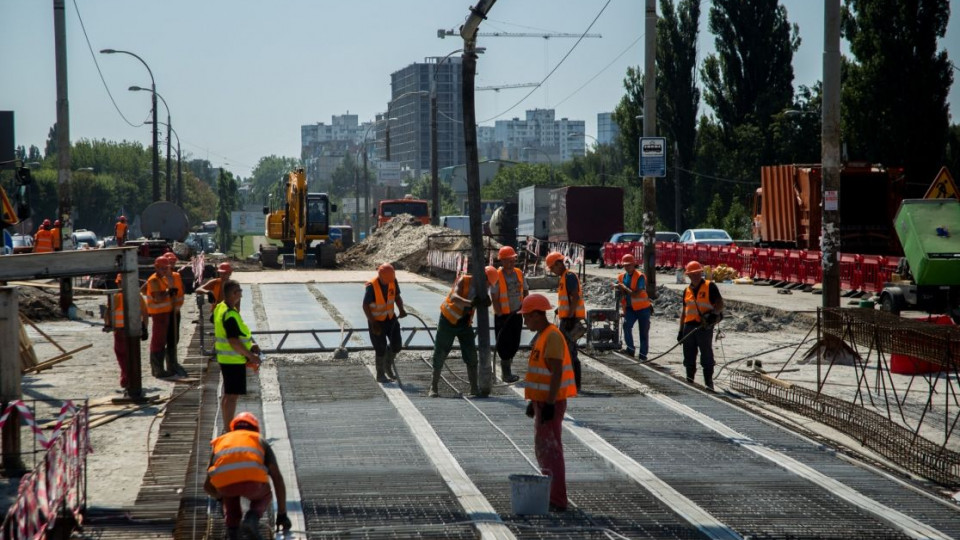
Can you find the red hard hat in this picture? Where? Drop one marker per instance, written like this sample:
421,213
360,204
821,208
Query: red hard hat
245,418
628,259
225,268
56,223
161,261
386,273
492,274
172,257
693,267
119,278
123,218
535,302
553,258
506,252
46,223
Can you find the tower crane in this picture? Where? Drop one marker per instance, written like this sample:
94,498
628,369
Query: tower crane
506,86
441,33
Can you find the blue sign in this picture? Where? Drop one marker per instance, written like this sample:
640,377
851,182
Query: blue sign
336,233
7,243
653,157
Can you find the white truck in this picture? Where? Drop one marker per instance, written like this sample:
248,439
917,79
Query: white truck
533,212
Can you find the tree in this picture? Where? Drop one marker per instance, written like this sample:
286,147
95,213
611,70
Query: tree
227,193
267,175
895,108
508,180
422,188
50,149
346,176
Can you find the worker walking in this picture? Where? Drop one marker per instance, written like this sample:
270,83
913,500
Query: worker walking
120,230
43,240
113,319
382,293
160,292
173,329
570,307
549,383
702,309
506,296
456,322
635,304
56,232
242,464
235,348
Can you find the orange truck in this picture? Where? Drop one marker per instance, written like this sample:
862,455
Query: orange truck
391,208
788,211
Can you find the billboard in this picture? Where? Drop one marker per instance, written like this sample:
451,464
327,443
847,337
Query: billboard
247,223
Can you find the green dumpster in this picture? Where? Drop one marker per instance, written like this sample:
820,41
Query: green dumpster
929,231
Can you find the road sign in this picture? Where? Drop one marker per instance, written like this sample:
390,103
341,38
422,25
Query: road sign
335,233
943,186
247,223
653,157
7,243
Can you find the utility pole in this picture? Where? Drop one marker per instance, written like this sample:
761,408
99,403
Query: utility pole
477,256
366,189
179,175
434,167
169,186
63,141
650,130
677,220
830,158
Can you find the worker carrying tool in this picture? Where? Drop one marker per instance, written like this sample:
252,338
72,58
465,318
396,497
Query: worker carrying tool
43,239
236,350
160,292
242,464
702,309
506,296
570,308
382,293
120,230
632,285
456,322
113,319
548,384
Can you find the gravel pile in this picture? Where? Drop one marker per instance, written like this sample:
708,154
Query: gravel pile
38,305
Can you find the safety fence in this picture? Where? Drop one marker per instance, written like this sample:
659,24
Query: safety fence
57,484
535,251
866,273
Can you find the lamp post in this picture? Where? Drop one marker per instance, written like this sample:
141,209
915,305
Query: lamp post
550,159
179,193
168,124
366,175
153,90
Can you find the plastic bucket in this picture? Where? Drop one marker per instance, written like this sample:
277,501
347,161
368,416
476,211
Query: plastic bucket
530,494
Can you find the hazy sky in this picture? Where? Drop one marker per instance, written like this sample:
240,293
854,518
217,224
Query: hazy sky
242,76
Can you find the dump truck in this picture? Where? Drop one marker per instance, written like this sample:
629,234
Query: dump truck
788,210
391,208
930,279
586,215
301,222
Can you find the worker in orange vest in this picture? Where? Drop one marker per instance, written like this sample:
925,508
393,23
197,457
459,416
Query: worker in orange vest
635,304
56,236
113,319
173,329
570,307
160,292
120,231
43,240
506,296
702,309
381,293
549,382
214,287
242,464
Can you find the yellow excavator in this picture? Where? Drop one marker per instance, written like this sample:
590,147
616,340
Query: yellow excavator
299,220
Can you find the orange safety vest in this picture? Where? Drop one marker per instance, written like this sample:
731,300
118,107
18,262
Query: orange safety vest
382,308
638,297
504,305
237,457
537,380
216,289
55,238
43,241
694,306
178,283
563,301
156,307
120,230
450,310
117,307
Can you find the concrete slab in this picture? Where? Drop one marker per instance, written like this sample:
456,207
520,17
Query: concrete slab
321,276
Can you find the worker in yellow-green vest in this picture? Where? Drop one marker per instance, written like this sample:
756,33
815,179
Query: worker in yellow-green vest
235,348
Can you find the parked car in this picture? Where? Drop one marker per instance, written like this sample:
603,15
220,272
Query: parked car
665,236
712,237
84,239
22,243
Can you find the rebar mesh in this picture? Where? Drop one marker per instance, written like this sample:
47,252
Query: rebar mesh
937,344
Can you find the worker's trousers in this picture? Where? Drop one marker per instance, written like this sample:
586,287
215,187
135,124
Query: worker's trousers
508,328
702,341
173,336
566,325
446,333
120,350
548,448
631,317
389,331
158,340
258,493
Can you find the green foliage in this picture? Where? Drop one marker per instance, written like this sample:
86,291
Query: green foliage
227,194
347,178
952,160
268,175
509,180
421,188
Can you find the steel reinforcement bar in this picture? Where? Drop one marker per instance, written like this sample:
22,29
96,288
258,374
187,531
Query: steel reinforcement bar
891,334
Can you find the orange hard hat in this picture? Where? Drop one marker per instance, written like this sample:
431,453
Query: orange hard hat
123,218
386,273
535,302
161,261
628,259
172,257
506,252
119,278
492,274
552,258
225,268
245,418
46,223
693,267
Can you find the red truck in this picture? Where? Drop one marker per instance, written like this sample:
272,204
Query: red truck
391,208
586,215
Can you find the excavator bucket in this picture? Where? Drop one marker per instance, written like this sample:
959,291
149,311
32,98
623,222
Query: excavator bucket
8,216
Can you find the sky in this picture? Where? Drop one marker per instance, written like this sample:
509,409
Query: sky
242,76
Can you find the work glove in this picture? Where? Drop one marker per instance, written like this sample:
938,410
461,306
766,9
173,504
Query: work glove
106,328
546,413
402,314
680,336
375,328
283,521
173,291
529,412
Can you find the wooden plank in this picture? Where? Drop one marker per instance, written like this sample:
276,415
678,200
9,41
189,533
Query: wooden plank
57,286
42,333
28,357
56,359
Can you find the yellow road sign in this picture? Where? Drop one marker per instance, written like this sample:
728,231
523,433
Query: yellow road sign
943,187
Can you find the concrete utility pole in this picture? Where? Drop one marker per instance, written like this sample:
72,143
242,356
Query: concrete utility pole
63,141
830,158
677,220
10,376
650,130
477,256
434,167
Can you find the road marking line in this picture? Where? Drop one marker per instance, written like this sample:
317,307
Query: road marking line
478,508
275,431
907,524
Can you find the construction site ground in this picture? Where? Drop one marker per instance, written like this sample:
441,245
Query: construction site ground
648,455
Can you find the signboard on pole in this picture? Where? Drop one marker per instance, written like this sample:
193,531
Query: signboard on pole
653,157
247,223
388,173
943,186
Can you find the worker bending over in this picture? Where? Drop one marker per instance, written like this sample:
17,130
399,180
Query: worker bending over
570,307
635,303
382,292
702,309
235,348
506,296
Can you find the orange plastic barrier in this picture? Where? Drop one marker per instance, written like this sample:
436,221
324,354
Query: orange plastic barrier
870,266
791,266
746,261
850,278
909,365
811,269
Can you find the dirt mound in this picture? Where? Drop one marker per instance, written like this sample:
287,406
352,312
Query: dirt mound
39,305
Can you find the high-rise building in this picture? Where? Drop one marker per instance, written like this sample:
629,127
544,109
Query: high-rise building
540,138
323,147
607,128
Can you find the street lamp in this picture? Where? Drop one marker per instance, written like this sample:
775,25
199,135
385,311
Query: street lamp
550,159
366,175
179,197
153,90
603,178
168,124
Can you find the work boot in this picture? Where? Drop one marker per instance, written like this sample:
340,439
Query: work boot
508,377
232,533
381,378
251,526
708,377
174,367
473,377
435,384
388,365
156,366
691,372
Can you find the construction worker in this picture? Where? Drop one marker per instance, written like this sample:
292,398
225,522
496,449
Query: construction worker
702,309
173,329
213,288
456,322
241,462
120,230
113,320
632,286
56,236
570,306
506,296
235,348
382,292
548,384
160,291
43,240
